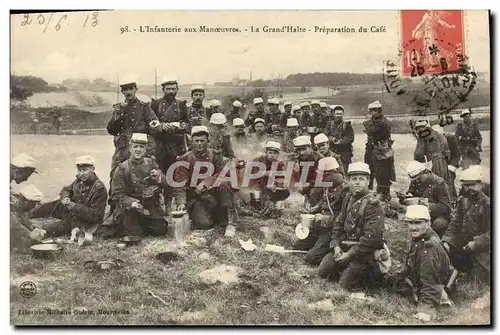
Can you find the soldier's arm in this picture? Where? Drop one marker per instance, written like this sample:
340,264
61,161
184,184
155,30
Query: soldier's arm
443,147
443,206
374,226
114,127
94,211
419,154
149,115
477,135
67,191
338,225
454,152
431,286
347,134
119,187
482,241
454,229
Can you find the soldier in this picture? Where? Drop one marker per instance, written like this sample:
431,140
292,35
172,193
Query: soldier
425,184
341,136
312,117
453,159
259,113
324,111
239,134
235,112
206,205
297,113
432,147
215,107
171,139
428,268
132,116
259,137
291,132
273,117
379,150
357,234
305,154
326,203
198,114
218,139
305,108
286,114
81,205
469,140
137,184
322,144
22,167
467,238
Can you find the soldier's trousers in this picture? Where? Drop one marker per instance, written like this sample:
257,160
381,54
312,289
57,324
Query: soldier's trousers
210,209
346,160
469,156
136,224
355,274
383,170
317,245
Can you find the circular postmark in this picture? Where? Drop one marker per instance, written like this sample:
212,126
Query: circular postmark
27,289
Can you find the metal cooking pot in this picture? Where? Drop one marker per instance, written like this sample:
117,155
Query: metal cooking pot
46,250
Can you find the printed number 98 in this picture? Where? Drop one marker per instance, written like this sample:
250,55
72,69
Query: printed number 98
124,29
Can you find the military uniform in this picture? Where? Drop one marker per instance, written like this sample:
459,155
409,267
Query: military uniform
434,148
379,155
342,168
362,221
311,176
453,160
261,183
249,122
131,183
469,142
470,222
211,206
257,141
341,136
221,145
436,190
272,119
198,115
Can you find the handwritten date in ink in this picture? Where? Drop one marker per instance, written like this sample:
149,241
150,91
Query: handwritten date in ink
57,20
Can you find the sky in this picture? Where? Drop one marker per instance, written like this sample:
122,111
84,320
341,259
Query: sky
102,51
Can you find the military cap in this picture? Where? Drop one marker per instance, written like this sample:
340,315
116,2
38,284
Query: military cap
438,129
328,164
358,168
375,105
257,120
169,80
258,101
292,122
139,138
334,107
23,161
215,103
31,193
85,160
127,81
199,130
320,138
417,212
195,88
287,103
302,141
273,101
236,103
304,104
465,112
295,108
315,102
422,123
218,118
238,122
472,174
322,104
273,145
414,168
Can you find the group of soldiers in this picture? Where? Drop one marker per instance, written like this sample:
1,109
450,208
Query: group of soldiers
449,229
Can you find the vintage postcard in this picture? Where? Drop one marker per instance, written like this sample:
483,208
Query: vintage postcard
250,168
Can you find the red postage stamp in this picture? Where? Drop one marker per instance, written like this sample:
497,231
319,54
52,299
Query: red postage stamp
432,41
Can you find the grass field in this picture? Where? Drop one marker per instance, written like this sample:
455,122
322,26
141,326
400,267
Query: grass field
272,288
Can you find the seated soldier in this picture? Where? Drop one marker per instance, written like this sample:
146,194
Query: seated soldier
270,194
305,158
357,234
81,204
137,184
425,184
206,205
428,268
322,144
326,203
467,238
239,131
22,167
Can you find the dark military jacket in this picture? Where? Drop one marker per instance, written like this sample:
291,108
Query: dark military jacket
272,119
377,130
233,115
284,117
311,176
471,221
335,194
437,191
435,148
136,117
468,134
343,133
90,198
454,157
130,180
363,225
221,145
249,122
429,269
239,138
316,120
198,116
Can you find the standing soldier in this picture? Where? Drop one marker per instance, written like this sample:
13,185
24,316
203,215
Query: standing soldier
235,111
171,140
215,107
137,184
379,150
273,117
467,238
357,234
239,134
312,117
469,140
341,136
453,159
432,147
254,114
286,114
131,116
322,144
297,113
197,113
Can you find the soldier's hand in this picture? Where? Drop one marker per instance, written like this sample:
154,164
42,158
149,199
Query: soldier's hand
136,206
181,208
69,206
167,127
470,246
446,247
155,174
65,201
337,252
37,234
117,107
